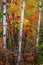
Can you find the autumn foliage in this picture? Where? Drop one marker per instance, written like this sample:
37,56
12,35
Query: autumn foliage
29,24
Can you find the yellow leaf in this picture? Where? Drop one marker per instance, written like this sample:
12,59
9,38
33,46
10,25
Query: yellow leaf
26,22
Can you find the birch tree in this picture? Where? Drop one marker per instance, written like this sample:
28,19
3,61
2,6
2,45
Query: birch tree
38,27
20,33
4,24
4,31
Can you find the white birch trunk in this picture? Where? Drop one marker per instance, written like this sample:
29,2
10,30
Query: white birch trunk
20,33
4,32
4,24
38,28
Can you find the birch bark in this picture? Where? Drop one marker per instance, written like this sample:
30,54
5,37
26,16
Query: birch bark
4,24
20,33
38,27
4,31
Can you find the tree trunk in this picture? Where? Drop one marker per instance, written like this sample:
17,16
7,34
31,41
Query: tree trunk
20,33
38,29
4,32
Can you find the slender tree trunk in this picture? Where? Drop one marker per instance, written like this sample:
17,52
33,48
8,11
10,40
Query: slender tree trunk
38,28
4,24
4,31
20,33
